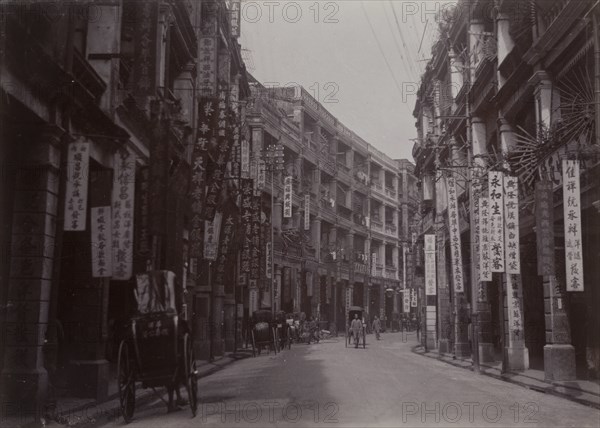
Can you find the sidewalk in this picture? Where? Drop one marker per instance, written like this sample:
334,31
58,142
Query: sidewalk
75,412
581,391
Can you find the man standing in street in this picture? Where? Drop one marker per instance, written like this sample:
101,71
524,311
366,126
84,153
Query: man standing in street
376,326
355,327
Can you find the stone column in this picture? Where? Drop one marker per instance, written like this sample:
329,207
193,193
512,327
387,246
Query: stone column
456,75
476,29
24,379
443,292
559,354
315,235
278,289
516,354
504,42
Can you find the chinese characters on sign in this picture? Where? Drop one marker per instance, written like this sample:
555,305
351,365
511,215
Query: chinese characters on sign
485,266
212,229
511,230
223,151
235,162
572,215
413,298
235,11
268,273
430,278
544,223
145,33
101,242
307,212
373,264
495,187
246,219
225,241
405,300
246,159
122,214
77,186
207,62
287,197
514,292
256,239
455,245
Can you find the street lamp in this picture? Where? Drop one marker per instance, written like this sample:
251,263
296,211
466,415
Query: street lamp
274,162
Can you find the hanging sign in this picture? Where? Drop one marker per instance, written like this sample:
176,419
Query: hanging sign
511,230
268,270
76,193
253,300
406,300
246,159
413,298
373,264
256,243
142,218
208,46
455,245
287,197
144,61
123,214
212,229
262,174
544,227
495,186
430,278
235,161
101,226
572,219
246,219
307,212
514,293
485,263
223,256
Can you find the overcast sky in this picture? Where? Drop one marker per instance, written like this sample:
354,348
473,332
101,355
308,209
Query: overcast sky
362,62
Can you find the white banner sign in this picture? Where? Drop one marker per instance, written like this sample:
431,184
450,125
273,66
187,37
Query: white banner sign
406,300
287,197
123,198
430,269
511,230
307,212
262,174
101,226
413,298
455,245
572,215
373,264
485,266
212,230
245,159
253,300
76,193
495,187
514,292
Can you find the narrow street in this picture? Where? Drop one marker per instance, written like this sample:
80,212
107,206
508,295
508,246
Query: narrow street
385,384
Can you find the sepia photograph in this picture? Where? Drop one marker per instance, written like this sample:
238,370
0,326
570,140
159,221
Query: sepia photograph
299,213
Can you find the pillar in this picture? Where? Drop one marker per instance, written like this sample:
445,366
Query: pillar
456,75
278,289
504,42
24,379
443,292
476,29
516,354
315,234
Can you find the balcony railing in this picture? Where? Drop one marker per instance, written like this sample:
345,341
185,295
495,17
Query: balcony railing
391,273
376,225
390,229
390,191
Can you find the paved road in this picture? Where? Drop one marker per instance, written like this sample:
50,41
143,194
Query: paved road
386,384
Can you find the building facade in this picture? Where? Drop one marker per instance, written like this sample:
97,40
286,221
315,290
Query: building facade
512,91
100,107
351,208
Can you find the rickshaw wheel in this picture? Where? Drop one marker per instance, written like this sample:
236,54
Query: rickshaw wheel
191,373
126,380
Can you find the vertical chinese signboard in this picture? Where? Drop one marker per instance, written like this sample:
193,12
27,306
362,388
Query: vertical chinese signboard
514,292
246,219
245,159
234,17
495,187
287,197
572,219
413,298
144,65
268,270
511,230
373,264
122,215
455,245
223,151
101,227
544,223
235,162
261,174
225,241
406,300
430,278
77,186
208,44
307,212
255,253
212,229
485,265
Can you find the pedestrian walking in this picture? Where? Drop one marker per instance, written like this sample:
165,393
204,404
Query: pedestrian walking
376,326
355,327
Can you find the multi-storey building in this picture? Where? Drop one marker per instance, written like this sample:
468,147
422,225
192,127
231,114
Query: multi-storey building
99,119
341,246
515,92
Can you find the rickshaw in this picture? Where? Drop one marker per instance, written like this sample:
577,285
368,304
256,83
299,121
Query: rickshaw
263,332
157,348
355,310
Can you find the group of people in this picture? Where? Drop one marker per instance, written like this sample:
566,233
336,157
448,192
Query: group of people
357,324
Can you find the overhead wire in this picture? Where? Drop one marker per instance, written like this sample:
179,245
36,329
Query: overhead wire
405,59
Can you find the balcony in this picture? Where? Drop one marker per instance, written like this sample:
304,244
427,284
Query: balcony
391,229
391,272
390,192
379,271
376,225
